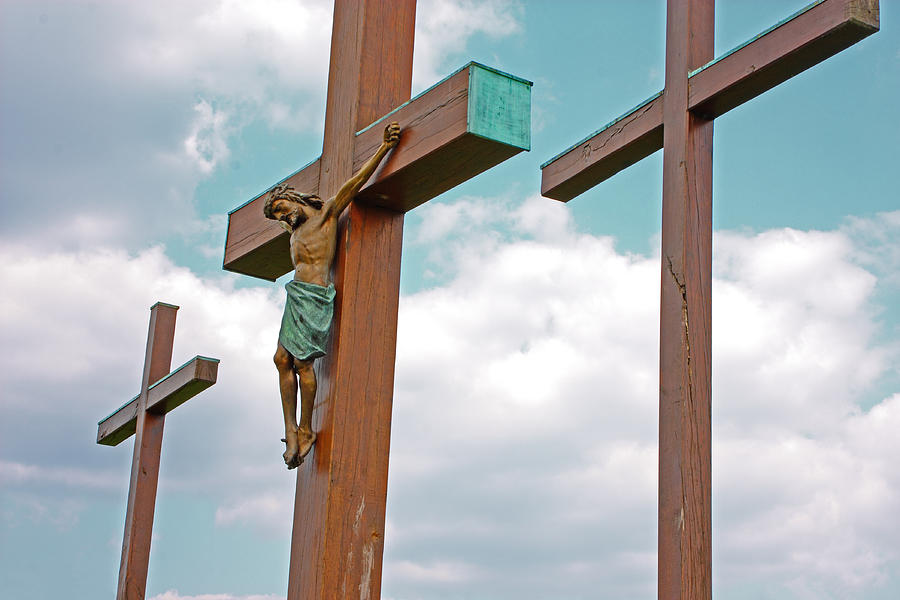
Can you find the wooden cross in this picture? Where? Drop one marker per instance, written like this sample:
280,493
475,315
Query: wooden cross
680,120
465,124
144,417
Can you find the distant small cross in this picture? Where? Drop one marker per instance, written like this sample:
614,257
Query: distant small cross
144,417
680,120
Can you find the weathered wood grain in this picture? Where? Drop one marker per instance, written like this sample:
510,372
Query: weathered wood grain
144,417
680,121
462,126
620,144
458,128
338,535
444,141
798,43
165,395
257,246
145,462
685,517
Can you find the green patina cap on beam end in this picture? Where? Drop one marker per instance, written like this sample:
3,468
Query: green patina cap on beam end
472,120
499,106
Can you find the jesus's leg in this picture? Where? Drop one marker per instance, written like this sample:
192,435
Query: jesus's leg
305,435
287,382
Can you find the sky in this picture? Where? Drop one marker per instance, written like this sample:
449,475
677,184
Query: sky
524,433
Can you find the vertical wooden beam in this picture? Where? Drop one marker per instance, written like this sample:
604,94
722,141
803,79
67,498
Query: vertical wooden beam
145,464
684,413
338,536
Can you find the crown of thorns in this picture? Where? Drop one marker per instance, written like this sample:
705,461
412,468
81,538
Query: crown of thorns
286,192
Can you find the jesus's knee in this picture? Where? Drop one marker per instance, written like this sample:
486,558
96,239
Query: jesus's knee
283,360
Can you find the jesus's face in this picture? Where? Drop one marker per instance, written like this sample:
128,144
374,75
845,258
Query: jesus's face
292,213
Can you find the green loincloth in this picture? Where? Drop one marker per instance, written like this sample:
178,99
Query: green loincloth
307,319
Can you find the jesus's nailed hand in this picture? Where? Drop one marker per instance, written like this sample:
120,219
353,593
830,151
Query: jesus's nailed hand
392,134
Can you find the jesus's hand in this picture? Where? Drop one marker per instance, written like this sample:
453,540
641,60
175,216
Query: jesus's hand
392,134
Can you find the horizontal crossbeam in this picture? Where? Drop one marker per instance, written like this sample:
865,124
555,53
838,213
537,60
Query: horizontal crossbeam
165,395
471,121
255,245
805,39
623,142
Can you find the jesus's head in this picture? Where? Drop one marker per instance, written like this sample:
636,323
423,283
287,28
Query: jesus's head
291,208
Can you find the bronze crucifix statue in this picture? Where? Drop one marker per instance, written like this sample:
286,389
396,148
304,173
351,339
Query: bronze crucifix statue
309,308
469,122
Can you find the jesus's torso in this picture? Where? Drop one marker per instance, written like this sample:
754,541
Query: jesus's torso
313,246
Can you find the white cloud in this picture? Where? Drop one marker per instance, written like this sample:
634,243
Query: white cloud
13,473
793,324
83,320
545,221
444,26
256,55
873,243
174,595
30,508
526,398
524,428
443,572
461,218
206,145
131,105
269,510
271,57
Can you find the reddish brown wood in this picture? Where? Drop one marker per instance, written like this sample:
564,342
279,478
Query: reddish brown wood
144,416
791,47
436,135
338,536
165,395
337,543
684,556
257,246
145,463
681,122
622,143
780,53
370,73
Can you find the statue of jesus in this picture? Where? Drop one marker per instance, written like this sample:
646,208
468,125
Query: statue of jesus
310,296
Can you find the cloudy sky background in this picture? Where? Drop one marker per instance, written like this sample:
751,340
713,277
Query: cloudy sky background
523,458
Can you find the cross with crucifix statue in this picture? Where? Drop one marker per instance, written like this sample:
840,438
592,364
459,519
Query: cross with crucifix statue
680,121
144,417
469,122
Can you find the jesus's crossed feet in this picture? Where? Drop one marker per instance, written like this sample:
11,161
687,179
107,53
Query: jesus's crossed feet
299,443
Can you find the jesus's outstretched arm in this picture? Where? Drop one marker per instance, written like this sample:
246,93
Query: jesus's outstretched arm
345,195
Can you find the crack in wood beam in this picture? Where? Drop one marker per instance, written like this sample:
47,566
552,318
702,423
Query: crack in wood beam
618,145
685,322
626,121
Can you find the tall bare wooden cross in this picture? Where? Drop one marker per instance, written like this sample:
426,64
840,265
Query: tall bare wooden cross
144,417
465,124
680,120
